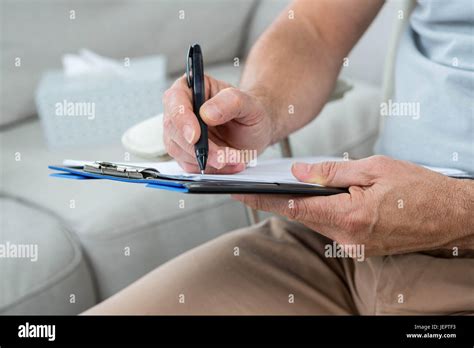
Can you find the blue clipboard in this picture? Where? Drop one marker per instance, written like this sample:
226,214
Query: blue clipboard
201,187
79,174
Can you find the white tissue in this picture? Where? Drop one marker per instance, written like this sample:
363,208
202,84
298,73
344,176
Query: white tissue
87,62
145,139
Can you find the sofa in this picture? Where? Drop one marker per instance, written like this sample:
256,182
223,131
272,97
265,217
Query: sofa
94,238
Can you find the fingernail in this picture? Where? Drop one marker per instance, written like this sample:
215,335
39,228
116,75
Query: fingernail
211,111
304,168
188,133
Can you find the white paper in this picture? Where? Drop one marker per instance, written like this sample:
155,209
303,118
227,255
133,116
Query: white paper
268,171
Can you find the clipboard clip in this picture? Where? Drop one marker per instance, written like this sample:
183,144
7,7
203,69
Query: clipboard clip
120,170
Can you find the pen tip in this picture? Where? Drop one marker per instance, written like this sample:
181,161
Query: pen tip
202,171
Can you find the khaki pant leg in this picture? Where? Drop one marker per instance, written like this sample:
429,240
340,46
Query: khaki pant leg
275,267
415,283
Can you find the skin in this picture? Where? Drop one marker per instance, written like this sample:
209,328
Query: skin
392,206
436,210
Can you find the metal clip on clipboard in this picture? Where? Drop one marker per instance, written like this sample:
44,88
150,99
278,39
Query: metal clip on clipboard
130,172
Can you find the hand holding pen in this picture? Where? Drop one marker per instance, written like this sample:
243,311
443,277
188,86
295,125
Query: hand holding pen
215,114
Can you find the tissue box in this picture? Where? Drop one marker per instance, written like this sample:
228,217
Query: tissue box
97,108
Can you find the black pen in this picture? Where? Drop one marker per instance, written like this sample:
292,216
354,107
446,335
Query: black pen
195,79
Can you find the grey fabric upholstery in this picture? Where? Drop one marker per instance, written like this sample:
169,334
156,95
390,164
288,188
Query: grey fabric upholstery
57,280
40,31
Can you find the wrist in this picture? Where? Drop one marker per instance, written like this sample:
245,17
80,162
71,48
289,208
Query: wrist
272,112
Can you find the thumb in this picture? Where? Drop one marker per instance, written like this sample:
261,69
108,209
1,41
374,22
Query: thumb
230,103
334,173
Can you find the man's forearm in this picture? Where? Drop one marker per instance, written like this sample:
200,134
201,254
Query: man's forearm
289,68
294,65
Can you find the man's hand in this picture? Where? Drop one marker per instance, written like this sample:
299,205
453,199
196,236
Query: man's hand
236,120
392,206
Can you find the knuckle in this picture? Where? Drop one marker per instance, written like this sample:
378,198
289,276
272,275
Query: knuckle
352,226
299,210
172,149
172,106
234,97
328,171
169,93
354,229
188,148
167,123
379,162
174,111
357,227
169,129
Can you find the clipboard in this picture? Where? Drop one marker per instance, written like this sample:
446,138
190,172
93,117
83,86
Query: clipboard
152,178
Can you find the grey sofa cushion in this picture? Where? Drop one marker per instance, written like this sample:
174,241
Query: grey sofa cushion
50,275
40,31
109,217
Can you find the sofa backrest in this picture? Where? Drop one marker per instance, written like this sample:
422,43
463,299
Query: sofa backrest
35,33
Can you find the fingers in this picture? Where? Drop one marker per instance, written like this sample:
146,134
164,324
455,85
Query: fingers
178,148
176,151
192,167
178,113
228,104
277,204
320,211
182,130
335,174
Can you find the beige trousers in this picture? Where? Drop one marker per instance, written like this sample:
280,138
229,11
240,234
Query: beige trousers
280,267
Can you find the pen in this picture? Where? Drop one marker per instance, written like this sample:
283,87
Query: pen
195,79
